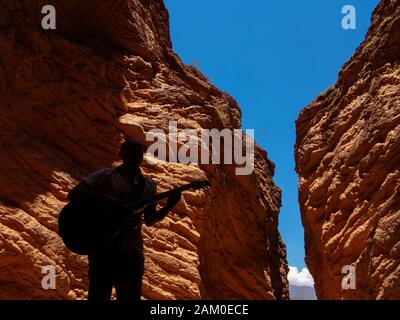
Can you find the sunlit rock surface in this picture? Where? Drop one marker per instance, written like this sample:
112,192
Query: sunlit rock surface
347,158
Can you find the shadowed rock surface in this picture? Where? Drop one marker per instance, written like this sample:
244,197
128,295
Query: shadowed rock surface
67,98
347,158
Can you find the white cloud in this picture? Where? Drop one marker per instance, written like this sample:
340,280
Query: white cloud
302,278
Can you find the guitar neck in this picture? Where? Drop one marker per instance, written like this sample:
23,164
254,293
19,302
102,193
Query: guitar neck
160,196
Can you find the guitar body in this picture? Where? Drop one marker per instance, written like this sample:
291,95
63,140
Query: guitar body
86,227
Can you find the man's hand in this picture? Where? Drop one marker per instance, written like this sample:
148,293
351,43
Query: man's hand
173,199
151,216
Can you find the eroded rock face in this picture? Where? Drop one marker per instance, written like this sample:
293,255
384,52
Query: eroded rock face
347,155
67,98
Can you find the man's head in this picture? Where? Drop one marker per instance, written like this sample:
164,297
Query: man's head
132,152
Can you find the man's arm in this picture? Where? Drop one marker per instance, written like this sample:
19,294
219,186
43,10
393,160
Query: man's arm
152,216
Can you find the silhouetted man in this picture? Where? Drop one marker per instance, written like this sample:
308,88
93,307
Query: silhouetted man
121,262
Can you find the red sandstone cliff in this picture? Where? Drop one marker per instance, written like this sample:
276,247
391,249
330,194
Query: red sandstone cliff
67,97
347,156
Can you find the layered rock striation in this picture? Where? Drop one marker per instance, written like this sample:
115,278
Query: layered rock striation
347,157
68,97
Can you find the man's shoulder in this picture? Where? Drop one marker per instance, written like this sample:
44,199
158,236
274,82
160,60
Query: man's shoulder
97,177
104,171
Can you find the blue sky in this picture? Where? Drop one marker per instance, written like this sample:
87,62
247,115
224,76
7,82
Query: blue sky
274,57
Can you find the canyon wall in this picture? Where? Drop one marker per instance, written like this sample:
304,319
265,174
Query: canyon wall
67,98
347,157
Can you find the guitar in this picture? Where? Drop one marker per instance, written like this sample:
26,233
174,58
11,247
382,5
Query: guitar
87,227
